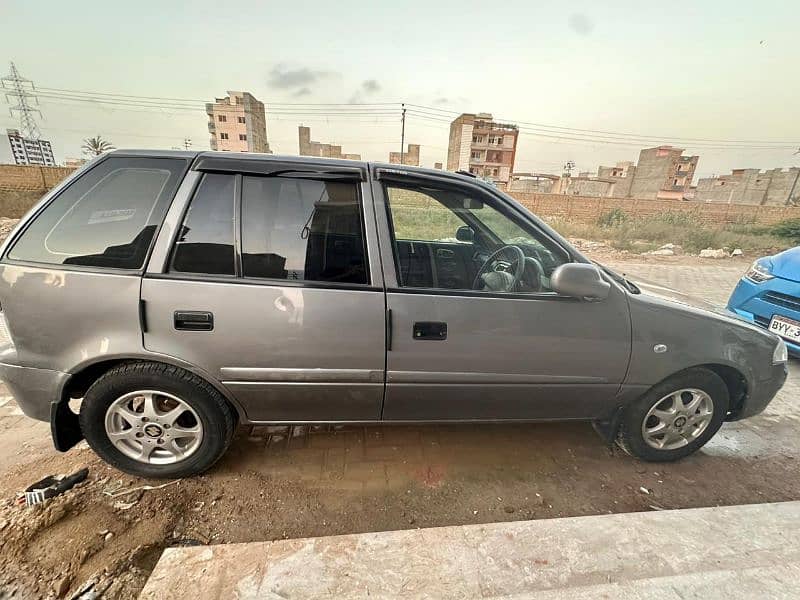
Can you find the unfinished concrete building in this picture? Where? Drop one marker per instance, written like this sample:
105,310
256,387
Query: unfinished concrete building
776,187
308,147
410,158
621,175
483,147
237,123
663,173
533,183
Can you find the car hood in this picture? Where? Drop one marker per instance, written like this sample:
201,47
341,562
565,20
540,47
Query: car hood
692,304
651,288
786,265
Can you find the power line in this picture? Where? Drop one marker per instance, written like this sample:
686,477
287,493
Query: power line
170,102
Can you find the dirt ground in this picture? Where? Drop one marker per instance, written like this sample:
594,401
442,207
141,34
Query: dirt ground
105,536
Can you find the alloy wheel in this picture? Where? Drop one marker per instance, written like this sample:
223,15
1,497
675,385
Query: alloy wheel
678,419
153,427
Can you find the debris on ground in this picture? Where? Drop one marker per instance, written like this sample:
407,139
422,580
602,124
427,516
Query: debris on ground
713,253
50,487
115,493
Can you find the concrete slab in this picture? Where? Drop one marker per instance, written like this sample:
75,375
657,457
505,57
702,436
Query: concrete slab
723,552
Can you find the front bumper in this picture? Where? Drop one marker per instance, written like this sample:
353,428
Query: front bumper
754,302
33,389
761,393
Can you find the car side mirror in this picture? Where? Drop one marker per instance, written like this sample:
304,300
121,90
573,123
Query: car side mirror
465,234
579,280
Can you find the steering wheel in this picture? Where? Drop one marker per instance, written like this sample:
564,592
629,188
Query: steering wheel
494,275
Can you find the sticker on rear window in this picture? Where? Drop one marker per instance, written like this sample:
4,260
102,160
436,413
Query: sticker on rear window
109,216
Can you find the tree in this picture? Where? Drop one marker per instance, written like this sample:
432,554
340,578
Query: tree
96,146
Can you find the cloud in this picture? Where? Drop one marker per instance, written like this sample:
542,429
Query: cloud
371,86
284,78
304,91
367,87
441,100
581,24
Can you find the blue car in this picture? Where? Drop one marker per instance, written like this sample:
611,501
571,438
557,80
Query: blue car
769,295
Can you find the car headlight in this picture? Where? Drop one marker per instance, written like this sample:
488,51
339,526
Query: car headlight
780,354
759,272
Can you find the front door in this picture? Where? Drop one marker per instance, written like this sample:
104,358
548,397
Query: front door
268,288
476,331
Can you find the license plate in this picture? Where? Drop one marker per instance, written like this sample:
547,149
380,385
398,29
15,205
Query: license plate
786,328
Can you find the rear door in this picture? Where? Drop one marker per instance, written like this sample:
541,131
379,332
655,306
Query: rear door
269,282
459,351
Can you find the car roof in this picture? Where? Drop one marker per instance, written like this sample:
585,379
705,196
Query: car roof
336,162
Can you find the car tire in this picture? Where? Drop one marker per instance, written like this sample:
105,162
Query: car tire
176,446
666,415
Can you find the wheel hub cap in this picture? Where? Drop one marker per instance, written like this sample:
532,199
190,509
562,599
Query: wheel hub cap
153,427
678,419
153,431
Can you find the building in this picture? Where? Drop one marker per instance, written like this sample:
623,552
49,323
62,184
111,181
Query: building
777,187
237,123
308,147
533,183
437,165
410,158
585,184
482,147
621,175
663,173
27,151
75,163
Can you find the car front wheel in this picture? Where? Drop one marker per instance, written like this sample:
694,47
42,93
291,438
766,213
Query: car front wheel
675,417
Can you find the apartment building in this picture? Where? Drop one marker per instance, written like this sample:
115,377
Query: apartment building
308,147
237,123
482,146
27,151
410,157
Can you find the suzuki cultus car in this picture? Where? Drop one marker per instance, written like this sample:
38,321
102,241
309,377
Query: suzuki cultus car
179,293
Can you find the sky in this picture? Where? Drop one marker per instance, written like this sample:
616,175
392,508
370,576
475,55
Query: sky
708,70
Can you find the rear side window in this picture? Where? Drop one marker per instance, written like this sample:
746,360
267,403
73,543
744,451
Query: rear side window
106,218
302,230
206,242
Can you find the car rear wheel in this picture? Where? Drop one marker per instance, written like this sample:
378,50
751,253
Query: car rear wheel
675,417
156,420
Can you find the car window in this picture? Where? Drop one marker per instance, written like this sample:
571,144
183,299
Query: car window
302,230
205,242
106,218
445,238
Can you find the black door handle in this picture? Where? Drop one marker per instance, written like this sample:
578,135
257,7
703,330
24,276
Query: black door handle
194,320
430,330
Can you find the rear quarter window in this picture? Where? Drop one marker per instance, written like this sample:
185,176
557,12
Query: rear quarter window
106,218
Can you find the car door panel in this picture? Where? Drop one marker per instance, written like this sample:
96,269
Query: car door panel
505,358
278,349
288,351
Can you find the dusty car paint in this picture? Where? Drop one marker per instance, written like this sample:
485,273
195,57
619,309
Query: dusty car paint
304,352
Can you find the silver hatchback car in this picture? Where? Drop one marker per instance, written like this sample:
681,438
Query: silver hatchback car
178,293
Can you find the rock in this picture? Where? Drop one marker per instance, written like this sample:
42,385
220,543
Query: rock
509,509
713,253
661,252
644,490
108,536
676,248
737,252
62,587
